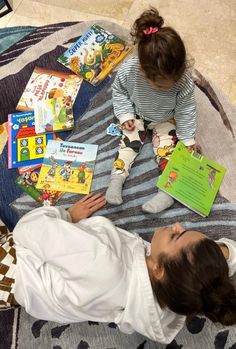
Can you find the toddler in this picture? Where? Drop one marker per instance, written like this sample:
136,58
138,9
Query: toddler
152,91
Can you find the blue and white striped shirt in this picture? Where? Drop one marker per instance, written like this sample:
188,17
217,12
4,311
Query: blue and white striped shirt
134,95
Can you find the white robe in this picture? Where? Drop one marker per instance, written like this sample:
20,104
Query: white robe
91,270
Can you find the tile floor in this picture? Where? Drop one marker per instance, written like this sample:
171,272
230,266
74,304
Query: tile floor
207,26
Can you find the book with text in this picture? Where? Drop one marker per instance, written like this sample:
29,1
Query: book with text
25,147
51,95
27,182
192,179
68,167
95,54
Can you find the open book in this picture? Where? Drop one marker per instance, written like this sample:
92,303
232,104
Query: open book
192,179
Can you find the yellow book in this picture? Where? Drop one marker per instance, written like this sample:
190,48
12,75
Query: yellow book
68,167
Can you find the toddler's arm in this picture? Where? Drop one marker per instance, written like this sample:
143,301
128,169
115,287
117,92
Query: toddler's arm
185,112
122,104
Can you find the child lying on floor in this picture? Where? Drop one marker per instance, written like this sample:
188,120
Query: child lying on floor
64,267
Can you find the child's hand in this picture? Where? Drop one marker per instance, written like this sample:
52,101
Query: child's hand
86,206
129,125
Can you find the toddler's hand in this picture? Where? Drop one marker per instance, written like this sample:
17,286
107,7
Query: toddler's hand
86,206
129,125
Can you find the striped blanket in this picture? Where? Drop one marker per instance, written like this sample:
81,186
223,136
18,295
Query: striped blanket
140,185
93,113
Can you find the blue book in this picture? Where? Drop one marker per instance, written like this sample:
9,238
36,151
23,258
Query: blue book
25,147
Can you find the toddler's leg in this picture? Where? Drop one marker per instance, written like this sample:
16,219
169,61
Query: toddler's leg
163,140
114,190
160,202
130,145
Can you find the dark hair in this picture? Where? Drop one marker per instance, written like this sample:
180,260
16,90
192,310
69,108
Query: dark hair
196,281
162,55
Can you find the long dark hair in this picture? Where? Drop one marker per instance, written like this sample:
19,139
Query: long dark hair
162,55
196,281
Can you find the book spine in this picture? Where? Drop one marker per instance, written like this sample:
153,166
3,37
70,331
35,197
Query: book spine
9,141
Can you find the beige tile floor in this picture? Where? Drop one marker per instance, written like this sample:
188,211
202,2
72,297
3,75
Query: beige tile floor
207,26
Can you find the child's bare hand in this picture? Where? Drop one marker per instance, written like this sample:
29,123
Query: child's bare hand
129,125
86,206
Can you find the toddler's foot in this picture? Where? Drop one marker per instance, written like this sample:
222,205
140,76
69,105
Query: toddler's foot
114,190
158,203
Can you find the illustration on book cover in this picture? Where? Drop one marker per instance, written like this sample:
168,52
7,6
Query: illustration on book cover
27,181
68,167
51,95
95,54
25,147
192,179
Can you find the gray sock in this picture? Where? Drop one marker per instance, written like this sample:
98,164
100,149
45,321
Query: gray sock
158,203
114,190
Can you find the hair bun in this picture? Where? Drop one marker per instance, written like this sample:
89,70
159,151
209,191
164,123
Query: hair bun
148,19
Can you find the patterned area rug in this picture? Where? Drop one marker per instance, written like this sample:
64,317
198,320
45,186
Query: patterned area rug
93,112
4,7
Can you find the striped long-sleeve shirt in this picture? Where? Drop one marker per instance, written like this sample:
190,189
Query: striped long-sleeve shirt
134,95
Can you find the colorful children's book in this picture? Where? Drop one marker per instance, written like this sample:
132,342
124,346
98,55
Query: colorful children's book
68,167
27,182
24,169
192,179
95,54
25,147
51,95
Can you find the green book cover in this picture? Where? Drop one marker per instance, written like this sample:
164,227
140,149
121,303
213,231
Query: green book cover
192,179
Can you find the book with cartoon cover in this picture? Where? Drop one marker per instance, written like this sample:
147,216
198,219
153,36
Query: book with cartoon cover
51,94
68,167
192,179
24,169
27,182
25,147
95,54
